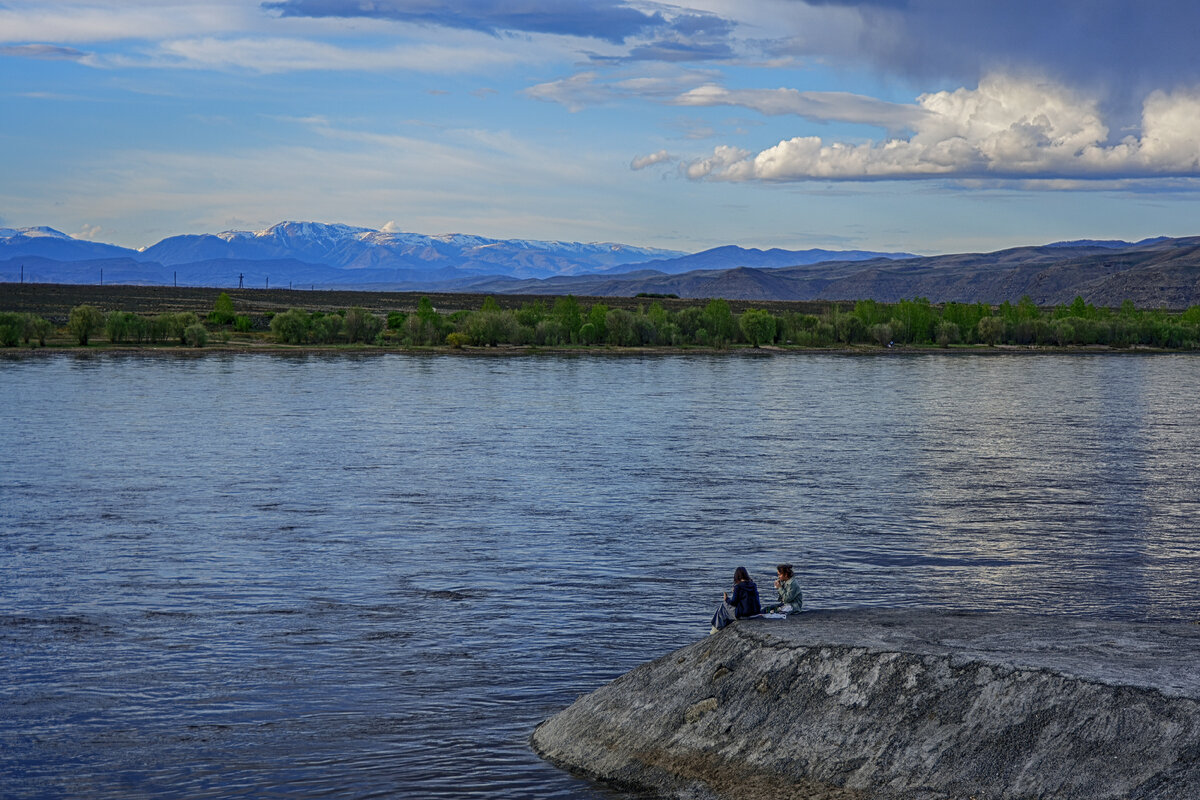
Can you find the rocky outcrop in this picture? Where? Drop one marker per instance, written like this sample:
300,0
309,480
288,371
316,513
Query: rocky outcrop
900,704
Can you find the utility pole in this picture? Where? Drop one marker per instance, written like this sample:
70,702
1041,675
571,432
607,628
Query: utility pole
102,276
176,278
268,281
240,276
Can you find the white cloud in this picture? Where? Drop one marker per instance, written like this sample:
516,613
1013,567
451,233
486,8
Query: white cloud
135,19
591,88
821,106
1005,128
276,55
641,162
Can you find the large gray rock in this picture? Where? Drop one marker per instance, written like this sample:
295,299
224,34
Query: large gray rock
900,704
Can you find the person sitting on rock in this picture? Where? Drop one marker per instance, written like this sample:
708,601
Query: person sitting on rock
744,602
790,596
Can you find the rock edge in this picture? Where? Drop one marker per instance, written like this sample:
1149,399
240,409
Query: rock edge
912,705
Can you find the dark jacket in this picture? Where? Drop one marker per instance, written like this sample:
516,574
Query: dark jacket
745,600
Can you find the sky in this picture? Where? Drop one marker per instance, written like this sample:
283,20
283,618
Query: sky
925,126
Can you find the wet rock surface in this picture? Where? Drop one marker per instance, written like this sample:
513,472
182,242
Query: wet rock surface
900,704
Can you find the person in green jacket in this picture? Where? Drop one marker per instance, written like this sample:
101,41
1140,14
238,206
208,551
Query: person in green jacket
790,596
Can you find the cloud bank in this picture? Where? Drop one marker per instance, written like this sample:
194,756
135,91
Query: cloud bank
1119,49
1007,128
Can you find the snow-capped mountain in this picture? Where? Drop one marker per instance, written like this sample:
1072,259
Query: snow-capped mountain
331,255
50,243
348,247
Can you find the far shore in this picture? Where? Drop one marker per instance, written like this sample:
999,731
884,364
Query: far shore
508,351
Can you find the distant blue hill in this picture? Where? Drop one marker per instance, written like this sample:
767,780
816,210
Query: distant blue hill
730,256
320,254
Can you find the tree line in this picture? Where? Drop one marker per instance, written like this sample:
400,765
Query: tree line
565,321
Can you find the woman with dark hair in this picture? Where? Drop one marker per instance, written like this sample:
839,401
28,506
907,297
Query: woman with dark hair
790,597
744,602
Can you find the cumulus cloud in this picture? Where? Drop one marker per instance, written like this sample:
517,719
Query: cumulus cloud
1006,128
641,162
818,106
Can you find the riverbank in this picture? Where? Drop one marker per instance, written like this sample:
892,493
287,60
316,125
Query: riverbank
900,704
506,351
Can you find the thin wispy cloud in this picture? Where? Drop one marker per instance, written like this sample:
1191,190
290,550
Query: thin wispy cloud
817,106
609,20
43,52
279,55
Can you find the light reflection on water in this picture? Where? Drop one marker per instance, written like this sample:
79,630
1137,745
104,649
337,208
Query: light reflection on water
371,577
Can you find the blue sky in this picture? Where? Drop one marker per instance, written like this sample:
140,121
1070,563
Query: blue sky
922,125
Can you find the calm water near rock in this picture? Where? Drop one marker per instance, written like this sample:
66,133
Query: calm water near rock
372,576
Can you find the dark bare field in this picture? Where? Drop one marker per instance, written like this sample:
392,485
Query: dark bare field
54,301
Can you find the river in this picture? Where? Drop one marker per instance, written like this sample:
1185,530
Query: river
343,576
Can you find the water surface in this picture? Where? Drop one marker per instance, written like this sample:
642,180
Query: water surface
371,577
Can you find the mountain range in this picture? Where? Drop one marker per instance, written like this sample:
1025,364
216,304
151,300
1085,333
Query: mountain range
1157,272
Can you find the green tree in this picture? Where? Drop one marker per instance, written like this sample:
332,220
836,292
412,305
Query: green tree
871,312
947,333
597,317
83,321
360,325
569,316
917,320
621,329
12,328
881,333
758,326
719,322
548,333
222,313
992,330
38,328
324,328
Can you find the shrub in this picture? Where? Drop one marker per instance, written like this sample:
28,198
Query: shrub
881,333
195,335
395,320
291,327
324,328
491,327
457,340
241,323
